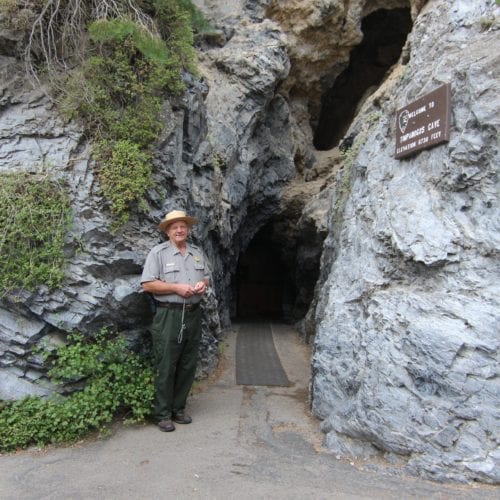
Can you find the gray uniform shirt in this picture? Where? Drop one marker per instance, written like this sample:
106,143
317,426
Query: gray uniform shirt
166,263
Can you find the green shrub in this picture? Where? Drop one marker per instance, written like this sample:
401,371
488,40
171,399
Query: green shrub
198,21
111,63
119,31
175,24
118,93
34,216
124,175
115,379
167,9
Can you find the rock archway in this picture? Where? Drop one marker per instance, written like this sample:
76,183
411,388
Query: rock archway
277,271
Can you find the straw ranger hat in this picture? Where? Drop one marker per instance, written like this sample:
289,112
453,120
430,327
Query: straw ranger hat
174,216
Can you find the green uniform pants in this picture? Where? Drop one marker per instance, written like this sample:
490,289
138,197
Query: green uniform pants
175,361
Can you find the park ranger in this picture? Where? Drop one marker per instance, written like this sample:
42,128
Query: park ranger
176,273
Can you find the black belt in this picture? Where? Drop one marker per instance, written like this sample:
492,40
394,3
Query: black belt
176,305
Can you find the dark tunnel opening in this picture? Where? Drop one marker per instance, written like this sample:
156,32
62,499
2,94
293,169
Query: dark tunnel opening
277,273
260,280
384,35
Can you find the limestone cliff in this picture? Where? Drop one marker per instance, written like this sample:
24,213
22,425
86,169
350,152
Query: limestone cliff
396,261
406,349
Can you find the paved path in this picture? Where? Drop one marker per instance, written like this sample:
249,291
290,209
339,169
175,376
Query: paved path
244,443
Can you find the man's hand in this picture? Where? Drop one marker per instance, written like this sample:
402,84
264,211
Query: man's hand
185,290
200,288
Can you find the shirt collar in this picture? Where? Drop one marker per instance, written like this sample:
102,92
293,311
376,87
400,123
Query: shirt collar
177,251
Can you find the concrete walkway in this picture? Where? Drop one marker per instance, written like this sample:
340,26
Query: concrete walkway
244,443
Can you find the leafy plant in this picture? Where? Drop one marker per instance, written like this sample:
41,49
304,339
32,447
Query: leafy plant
125,174
118,93
115,379
34,215
128,76
198,20
111,64
218,162
174,20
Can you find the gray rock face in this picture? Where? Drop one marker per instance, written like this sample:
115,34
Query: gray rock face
224,156
407,346
405,310
16,338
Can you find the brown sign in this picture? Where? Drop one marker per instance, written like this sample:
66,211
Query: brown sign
423,123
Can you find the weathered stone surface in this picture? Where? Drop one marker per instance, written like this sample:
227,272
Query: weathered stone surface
224,156
405,308
407,346
17,335
13,385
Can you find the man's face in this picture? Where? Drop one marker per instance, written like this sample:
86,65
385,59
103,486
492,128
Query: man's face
178,232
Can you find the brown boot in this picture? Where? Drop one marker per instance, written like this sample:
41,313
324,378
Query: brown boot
181,418
166,426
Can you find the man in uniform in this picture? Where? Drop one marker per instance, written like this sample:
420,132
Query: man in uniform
176,274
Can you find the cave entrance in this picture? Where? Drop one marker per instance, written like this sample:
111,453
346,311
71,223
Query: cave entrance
384,35
277,272
260,280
